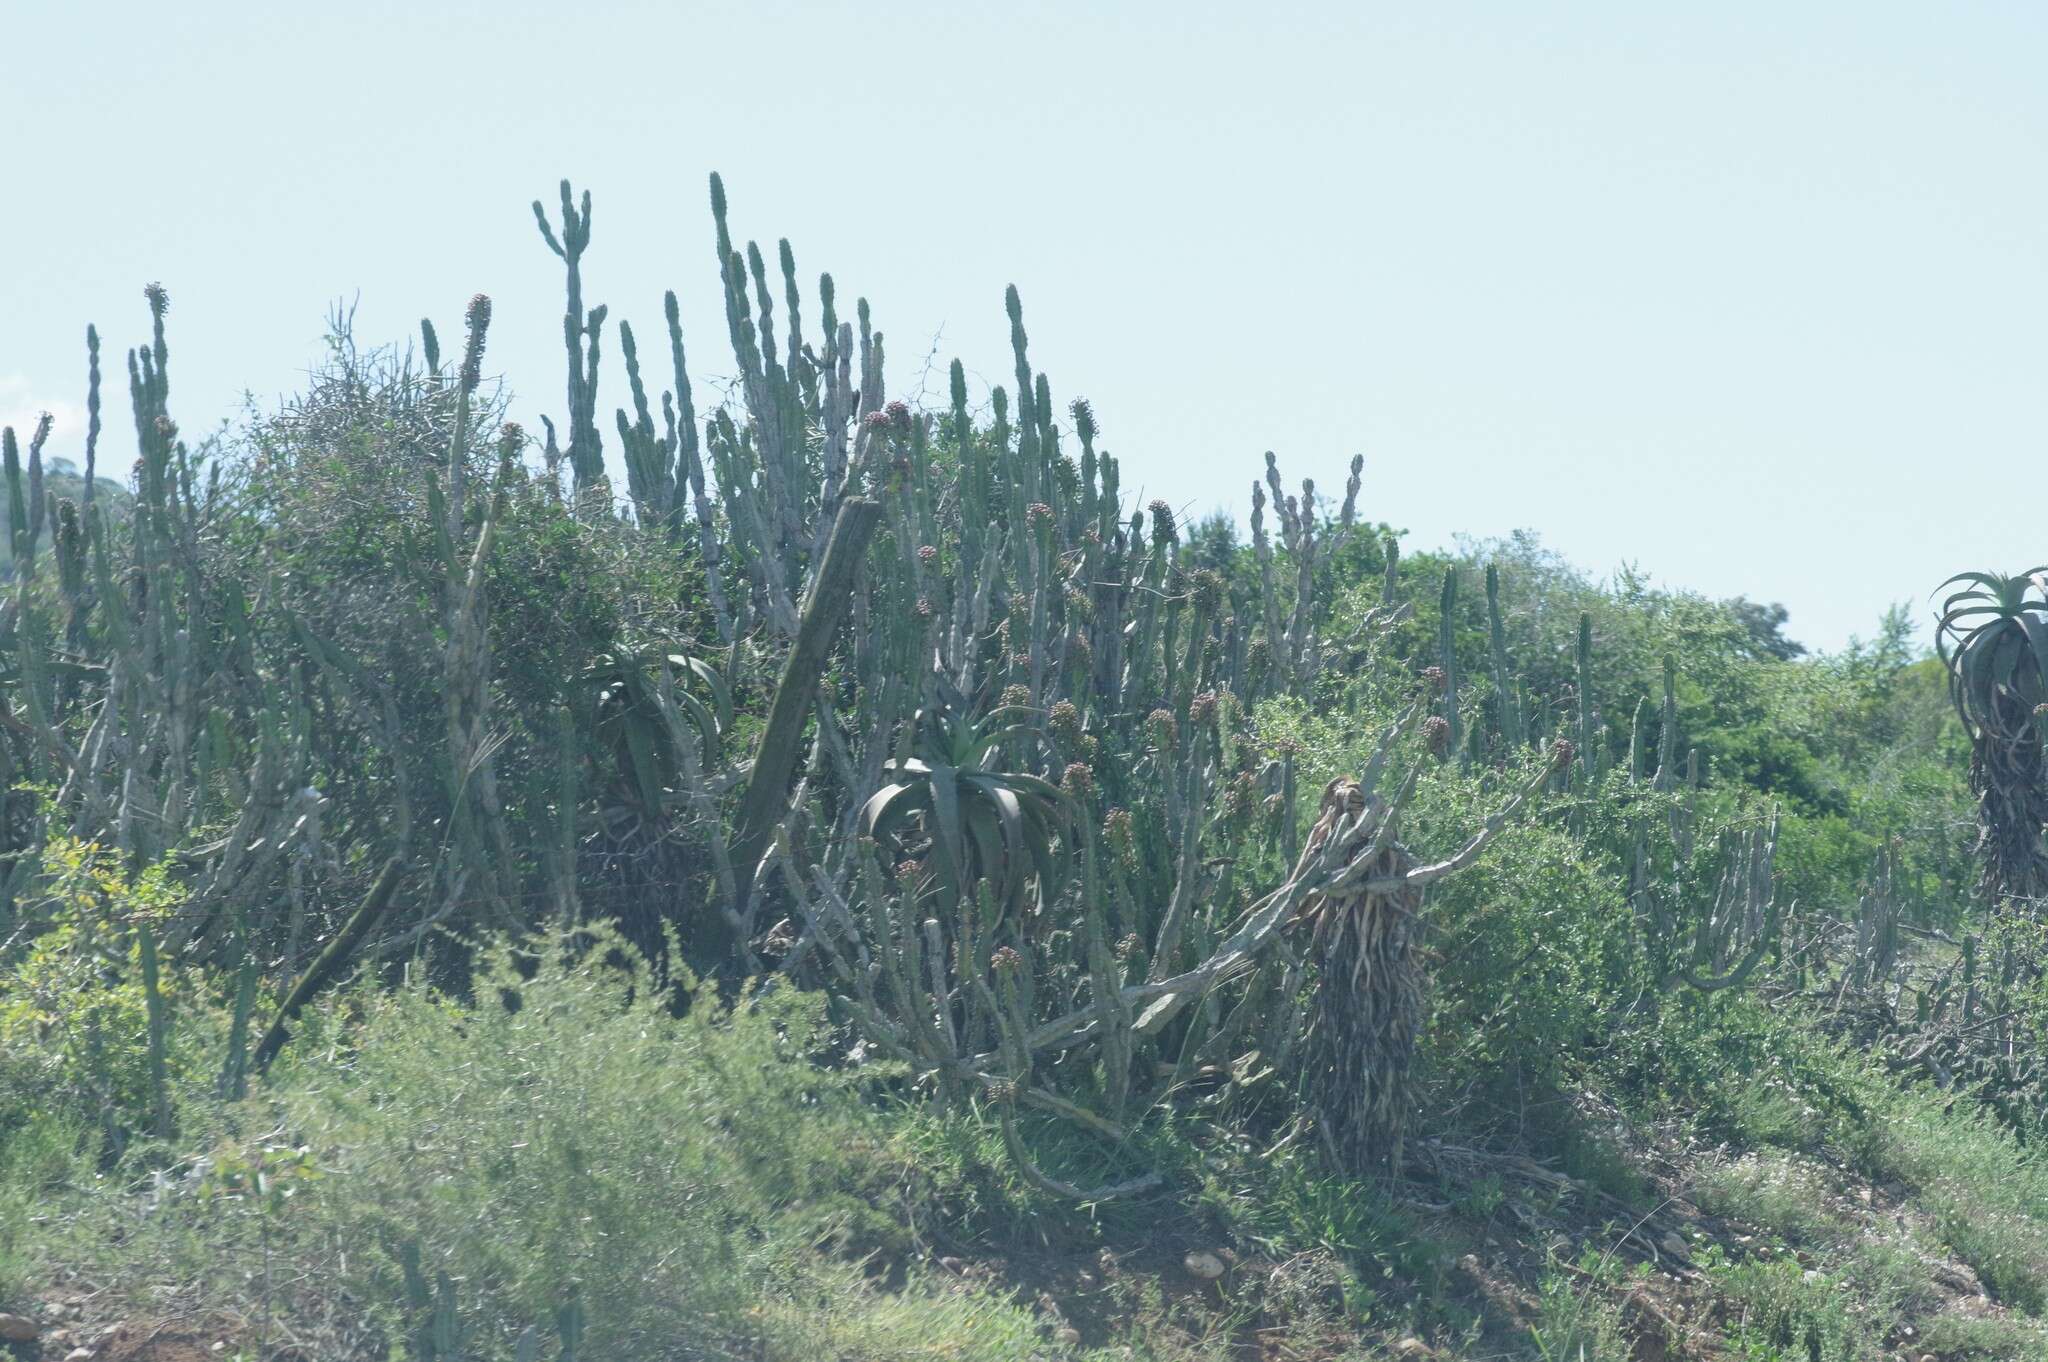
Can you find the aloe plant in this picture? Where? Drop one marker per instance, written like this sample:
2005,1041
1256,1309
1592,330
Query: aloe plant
1993,639
633,713
971,821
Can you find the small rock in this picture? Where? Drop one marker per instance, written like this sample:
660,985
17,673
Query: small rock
1672,1244
80,1355
19,1329
1204,1264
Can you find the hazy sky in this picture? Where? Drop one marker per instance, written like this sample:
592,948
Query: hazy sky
1754,295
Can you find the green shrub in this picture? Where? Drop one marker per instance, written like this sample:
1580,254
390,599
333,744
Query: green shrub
1954,1333
74,1010
1797,1314
1578,1319
696,1184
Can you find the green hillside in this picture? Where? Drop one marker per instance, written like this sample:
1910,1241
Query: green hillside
857,886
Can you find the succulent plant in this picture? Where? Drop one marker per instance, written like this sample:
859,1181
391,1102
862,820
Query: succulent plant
1993,640
983,824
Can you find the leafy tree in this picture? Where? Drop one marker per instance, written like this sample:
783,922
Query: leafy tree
1766,627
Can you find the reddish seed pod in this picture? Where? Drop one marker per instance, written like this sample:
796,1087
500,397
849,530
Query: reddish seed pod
1160,725
1162,522
1077,780
1066,719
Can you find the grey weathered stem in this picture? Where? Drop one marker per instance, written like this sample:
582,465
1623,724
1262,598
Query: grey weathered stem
1468,853
782,740
338,953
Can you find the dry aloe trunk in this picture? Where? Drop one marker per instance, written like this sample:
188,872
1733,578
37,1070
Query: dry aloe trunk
481,850
775,758
336,958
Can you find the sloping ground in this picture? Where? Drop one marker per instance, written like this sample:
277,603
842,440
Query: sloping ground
1763,1255
1760,1256
703,1190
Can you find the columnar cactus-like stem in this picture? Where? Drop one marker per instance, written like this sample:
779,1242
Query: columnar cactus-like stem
1027,419
1589,743
1667,728
1447,654
36,506
1877,924
20,555
1635,741
159,1032
1269,591
580,335
650,459
1719,946
1507,698
92,418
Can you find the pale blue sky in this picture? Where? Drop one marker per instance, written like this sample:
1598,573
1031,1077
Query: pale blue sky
1752,294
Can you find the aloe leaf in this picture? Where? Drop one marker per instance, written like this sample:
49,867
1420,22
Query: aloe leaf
884,810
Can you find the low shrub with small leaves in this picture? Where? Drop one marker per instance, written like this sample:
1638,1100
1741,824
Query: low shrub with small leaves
696,1185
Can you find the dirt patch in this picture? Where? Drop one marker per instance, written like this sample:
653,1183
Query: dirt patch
176,1340
167,1342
